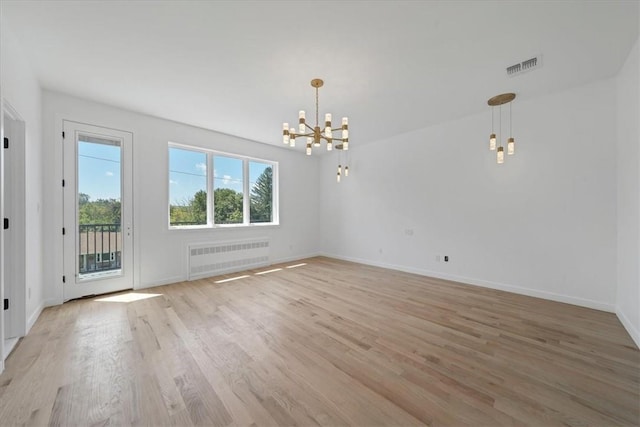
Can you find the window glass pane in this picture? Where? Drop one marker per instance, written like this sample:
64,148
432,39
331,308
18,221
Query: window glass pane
99,204
227,193
261,184
187,187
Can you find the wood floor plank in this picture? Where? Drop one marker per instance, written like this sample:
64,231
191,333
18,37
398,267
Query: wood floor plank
324,343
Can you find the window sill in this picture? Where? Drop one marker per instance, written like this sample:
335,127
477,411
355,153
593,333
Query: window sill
225,226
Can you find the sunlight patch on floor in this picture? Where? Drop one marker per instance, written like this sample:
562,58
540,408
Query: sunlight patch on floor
231,279
297,265
268,271
128,297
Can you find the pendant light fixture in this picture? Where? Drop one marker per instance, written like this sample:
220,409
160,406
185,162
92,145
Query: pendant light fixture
315,136
495,143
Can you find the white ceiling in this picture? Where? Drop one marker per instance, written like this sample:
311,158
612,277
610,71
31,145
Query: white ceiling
244,67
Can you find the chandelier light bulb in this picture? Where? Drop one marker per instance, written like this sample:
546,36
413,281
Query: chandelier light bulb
327,132
308,149
338,177
292,142
345,121
345,145
285,133
492,142
301,115
329,146
500,155
346,171
511,146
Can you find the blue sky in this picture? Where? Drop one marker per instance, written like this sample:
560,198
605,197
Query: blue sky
99,172
188,173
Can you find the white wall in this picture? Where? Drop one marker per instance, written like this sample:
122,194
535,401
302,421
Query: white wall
542,224
628,90
22,90
160,253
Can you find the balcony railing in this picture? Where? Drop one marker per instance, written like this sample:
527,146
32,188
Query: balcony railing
100,248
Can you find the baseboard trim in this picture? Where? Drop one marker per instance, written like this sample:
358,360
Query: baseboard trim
147,285
34,317
631,329
294,258
177,279
582,302
52,302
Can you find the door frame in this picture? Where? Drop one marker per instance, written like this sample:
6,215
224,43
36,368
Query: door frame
71,289
17,292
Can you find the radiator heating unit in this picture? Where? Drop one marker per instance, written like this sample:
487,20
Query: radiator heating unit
215,258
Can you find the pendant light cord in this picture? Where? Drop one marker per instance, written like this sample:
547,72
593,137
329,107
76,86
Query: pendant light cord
492,119
500,127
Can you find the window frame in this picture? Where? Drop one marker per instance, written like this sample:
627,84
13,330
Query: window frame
246,190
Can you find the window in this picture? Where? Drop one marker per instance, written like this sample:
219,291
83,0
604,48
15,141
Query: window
208,188
187,187
228,189
261,185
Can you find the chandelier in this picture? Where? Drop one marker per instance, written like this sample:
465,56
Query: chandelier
316,136
495,144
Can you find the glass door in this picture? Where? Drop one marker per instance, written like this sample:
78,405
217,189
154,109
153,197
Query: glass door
98,240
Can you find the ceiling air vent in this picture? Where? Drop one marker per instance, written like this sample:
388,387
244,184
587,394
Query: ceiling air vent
524,66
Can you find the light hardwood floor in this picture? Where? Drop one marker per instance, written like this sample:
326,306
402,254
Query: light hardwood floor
326,343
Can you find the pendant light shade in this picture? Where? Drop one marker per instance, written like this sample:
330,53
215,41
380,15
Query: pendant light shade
511,146
500,155
492,142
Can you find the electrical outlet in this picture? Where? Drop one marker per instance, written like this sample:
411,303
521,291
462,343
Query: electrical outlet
446,258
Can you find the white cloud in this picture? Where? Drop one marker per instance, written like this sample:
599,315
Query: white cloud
172,181
226,179
202,167
108,173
